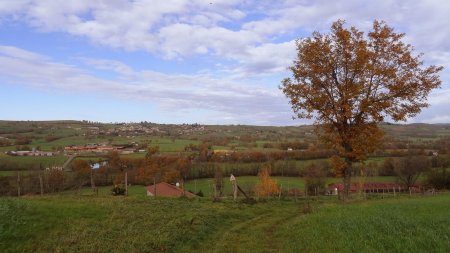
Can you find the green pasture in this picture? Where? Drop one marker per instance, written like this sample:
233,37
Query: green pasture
90,223
171,145
394,225
8,162
8,173
135,191
286,183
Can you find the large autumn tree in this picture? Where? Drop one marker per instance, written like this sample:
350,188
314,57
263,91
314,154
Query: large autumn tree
348,81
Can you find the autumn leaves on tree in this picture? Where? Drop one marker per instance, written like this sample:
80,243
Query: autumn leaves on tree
169,169
266,186
349,81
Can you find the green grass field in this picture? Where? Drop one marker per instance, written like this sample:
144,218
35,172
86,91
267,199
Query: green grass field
77,223
246,182
30,162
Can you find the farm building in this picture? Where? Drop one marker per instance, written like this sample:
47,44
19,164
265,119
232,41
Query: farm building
92,148
371,187
30,153
167,190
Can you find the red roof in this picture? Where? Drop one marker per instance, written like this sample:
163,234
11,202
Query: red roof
167,190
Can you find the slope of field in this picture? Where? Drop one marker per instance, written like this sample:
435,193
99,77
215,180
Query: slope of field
70,223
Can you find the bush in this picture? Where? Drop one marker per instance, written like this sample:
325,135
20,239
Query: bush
200,193
315,179
23,140
409,168
438,179
118,190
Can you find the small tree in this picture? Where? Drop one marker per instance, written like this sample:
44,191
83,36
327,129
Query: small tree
55,180
408,169
349,82
152,151
82,171
314,179
387,168
266,185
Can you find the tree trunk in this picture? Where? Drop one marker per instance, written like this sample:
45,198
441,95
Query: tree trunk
92,180
347,180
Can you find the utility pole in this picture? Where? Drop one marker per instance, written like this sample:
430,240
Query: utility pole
18,184
126,183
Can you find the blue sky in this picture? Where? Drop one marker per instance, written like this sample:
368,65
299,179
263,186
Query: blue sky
178,61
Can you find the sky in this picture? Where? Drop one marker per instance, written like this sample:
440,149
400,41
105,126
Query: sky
180,61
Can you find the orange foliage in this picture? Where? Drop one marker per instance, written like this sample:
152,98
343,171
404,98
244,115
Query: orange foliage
162,168
338,164
349,82
266,185
81,168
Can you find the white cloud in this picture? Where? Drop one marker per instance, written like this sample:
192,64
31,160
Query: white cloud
181,28
172,93
254,37
20,53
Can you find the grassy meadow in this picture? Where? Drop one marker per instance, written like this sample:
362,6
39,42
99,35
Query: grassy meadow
247,182
80,223
82,220
30,162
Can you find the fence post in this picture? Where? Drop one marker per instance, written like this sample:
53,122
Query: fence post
92,180
126,183
41,184
18,184
279,196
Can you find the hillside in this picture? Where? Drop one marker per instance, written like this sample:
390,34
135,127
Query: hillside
71,223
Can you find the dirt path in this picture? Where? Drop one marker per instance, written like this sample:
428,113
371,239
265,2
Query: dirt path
255,235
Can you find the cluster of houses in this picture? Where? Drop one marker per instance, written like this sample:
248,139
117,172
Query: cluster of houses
140,129
187,129
127,129
135,129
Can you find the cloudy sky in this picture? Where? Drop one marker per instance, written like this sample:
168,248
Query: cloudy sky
180,61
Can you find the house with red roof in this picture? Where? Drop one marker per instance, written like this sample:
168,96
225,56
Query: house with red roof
167,190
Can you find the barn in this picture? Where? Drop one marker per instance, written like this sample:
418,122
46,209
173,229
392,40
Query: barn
372,187
167,190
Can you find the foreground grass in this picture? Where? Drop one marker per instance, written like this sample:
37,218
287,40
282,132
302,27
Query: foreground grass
69,223
395,225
